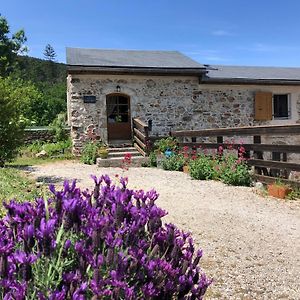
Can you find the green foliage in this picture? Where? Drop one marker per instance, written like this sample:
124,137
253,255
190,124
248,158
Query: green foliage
13,184
173,163
294,194
11,125
203,168
61,148
229,169
89,153
152,159
58,128
168,143
10,46
235,172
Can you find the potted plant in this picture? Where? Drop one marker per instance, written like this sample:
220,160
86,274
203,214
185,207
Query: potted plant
103,152
278,189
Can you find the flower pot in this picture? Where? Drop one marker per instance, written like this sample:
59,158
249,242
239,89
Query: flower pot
103,153
278,191
186,169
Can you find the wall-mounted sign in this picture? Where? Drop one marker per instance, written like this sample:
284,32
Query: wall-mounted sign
89,99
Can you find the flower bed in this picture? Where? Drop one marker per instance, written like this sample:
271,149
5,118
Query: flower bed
109,244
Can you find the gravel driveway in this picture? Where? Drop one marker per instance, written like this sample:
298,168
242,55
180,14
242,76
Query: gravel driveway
251,244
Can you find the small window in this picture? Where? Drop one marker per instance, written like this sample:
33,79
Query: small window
281,106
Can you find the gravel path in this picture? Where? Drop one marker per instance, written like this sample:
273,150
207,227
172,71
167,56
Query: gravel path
251,244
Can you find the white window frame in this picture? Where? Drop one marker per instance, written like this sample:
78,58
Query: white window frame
289,107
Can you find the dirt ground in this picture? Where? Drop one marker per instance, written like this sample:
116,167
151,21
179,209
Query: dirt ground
251,243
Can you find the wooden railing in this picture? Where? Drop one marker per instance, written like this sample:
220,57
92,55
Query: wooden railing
141,136
265,170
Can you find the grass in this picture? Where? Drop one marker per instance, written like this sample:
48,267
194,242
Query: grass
23,161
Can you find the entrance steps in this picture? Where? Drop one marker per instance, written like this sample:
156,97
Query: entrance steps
116,157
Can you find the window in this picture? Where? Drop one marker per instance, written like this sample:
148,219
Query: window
269,106
281,106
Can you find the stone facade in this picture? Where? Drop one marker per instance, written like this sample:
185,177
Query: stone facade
171,102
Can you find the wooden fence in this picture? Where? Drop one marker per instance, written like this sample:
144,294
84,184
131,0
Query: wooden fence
141,136
265,170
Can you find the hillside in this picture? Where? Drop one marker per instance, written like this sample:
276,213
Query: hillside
50,80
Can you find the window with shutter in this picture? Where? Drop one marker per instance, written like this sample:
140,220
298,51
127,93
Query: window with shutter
263,106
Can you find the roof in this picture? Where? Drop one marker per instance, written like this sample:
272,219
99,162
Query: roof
244,74
130,60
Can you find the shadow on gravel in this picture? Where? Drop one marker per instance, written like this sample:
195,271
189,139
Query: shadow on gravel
50,179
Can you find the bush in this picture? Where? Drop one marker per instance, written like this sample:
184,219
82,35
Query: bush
11,125
52,149
58,128
110,244
164,144
89,153
203,168
152,159
235,172
173,163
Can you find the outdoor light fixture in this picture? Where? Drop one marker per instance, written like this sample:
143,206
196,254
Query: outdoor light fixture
118,88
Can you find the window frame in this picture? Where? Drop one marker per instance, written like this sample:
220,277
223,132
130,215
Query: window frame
289,116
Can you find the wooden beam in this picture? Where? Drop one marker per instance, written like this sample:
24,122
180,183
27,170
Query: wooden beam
141,144
139,134
250,130
251,147
270,180
139,149
274,164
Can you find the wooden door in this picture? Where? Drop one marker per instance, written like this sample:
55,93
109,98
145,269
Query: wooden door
118,117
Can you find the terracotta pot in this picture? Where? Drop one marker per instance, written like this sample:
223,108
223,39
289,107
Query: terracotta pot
278,191
186,169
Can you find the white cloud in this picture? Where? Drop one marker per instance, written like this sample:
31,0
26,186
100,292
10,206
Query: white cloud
261,47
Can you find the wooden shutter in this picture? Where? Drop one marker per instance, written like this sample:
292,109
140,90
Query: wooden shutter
263,106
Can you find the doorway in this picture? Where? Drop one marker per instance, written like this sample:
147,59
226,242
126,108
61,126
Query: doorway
118,117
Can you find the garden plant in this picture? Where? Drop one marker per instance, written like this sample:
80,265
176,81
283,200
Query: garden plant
108,244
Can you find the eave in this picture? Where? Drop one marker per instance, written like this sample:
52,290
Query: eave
247,81
197,72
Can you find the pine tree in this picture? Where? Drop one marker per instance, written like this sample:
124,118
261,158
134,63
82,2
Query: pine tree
49,53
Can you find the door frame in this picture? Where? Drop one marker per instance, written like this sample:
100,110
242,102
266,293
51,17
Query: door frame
128,132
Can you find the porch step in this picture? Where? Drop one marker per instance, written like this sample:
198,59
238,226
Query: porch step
116,157
121,149
136,161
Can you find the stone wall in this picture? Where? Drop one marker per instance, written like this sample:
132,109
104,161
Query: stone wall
172,103
41,134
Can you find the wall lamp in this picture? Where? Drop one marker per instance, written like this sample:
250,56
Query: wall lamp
118,88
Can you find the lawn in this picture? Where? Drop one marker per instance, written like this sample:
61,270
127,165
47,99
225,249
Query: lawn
15,184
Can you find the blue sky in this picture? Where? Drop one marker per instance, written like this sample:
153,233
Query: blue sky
230,32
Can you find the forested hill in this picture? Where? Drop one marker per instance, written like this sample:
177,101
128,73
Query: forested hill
40,71
48,79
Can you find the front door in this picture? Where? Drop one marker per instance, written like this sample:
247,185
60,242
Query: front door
118,117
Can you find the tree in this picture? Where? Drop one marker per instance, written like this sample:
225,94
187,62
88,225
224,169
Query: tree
10,47
11,125
49,53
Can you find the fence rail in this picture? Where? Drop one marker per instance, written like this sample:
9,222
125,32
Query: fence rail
266,171
141,136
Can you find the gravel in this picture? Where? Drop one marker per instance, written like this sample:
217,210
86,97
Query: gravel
251,243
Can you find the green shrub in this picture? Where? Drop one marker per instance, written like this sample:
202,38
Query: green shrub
203,168
152,159
89,153
166,143
235,172
173,163
58,128
54,149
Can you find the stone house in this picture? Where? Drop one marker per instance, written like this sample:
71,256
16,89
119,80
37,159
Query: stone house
107,88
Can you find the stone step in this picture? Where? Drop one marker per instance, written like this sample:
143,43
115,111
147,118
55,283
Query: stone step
122,154
136,161
125,149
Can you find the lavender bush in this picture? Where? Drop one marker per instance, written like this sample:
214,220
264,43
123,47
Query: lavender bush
109,244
